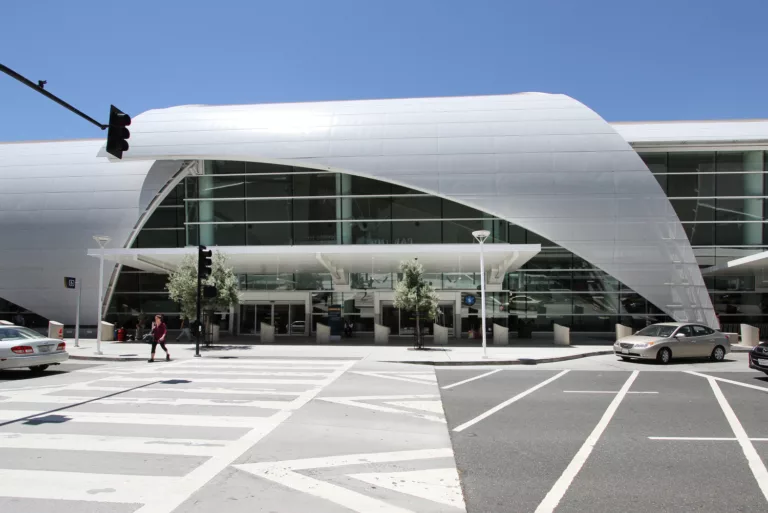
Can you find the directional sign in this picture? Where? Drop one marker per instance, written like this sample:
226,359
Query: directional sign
469,300
70,283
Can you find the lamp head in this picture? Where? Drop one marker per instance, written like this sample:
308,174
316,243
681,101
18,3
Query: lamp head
481,235
102,240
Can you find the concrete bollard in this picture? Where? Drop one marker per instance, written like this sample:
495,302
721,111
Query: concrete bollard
322,334
500,335
267,333
55,329
750,335
562,335
380,334
622,331
441,334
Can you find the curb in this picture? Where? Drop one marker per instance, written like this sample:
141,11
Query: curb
521,361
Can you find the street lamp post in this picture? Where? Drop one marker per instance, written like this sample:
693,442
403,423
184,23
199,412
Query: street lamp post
102,241
481,235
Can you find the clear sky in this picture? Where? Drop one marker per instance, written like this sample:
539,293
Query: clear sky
628,60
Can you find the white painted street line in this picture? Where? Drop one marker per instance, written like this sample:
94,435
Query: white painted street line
80,486
283,473
753,458
439,485
602,392
506,403
164,374
435,406
452,385
732,382
223,379
399,376
363,402
121,444
173,497
704,438
561,486
165,401
136,418
173,389
259,361
283,366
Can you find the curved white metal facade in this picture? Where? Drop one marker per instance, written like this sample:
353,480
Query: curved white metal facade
545,162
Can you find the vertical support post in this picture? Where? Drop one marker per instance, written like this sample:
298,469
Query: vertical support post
481,236
482,297
77,311
199,323
102,240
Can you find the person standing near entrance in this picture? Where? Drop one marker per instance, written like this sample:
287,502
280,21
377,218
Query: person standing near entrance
185,332
159,331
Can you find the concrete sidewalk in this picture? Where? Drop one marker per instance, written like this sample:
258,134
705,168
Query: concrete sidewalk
442,355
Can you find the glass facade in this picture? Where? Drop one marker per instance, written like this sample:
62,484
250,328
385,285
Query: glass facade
720,197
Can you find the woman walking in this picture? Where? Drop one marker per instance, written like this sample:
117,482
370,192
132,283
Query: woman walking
159,331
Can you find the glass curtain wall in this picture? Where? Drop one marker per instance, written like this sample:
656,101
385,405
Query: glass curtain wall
720,198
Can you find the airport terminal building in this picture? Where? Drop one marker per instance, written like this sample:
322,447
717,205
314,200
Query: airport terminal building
315,204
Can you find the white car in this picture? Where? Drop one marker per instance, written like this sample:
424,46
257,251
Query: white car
23,347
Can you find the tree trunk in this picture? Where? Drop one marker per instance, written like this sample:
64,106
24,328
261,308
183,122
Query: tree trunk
418,330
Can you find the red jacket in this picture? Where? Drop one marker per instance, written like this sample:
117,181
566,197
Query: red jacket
159,331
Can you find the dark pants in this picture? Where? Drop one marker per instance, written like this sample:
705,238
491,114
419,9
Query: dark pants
154,346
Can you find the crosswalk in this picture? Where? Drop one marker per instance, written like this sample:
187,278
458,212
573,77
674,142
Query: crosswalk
146,435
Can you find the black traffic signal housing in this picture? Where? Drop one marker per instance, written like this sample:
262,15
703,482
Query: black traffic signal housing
210,292
204,262
117,134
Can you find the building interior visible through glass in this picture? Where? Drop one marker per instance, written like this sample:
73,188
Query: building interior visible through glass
718,196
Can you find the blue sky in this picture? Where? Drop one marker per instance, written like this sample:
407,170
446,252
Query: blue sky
628,60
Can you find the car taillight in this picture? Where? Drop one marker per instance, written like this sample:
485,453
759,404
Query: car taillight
23,349
61,347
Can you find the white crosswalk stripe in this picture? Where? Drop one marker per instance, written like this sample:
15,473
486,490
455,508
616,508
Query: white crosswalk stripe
248,397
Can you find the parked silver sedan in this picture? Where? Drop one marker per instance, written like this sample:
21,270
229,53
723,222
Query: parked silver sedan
664,341
23,347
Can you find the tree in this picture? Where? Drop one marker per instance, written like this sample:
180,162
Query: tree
182,286
413,294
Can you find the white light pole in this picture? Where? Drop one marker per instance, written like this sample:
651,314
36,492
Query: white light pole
102,240
481,235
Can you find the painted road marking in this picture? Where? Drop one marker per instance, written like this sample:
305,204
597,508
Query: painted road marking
410,377
148,419
602,392
364,402
172,498
169,401
81,486
557,492
453,385
437,485
507,403
121,444
753,458
284,473
732,382
704,438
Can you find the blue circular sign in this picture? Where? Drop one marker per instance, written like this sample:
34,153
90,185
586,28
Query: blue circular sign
469,300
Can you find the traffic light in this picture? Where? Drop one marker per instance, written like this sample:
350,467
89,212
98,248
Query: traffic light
204,262
117,134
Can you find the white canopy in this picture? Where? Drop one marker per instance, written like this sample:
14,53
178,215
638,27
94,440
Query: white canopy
339,260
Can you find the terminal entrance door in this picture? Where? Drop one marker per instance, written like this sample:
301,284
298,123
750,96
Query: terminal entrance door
288,318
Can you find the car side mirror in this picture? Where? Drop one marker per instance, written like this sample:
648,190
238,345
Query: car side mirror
680,335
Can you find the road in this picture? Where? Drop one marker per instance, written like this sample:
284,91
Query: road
610,436
334,434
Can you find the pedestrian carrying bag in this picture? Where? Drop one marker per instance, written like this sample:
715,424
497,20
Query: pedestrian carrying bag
148,338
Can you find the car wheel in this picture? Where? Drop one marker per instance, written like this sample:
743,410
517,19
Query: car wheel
664,355
38,369
718,354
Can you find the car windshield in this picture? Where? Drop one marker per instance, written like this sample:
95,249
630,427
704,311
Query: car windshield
18,333
657,330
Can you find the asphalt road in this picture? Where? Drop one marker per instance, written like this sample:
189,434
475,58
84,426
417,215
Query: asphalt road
576,444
